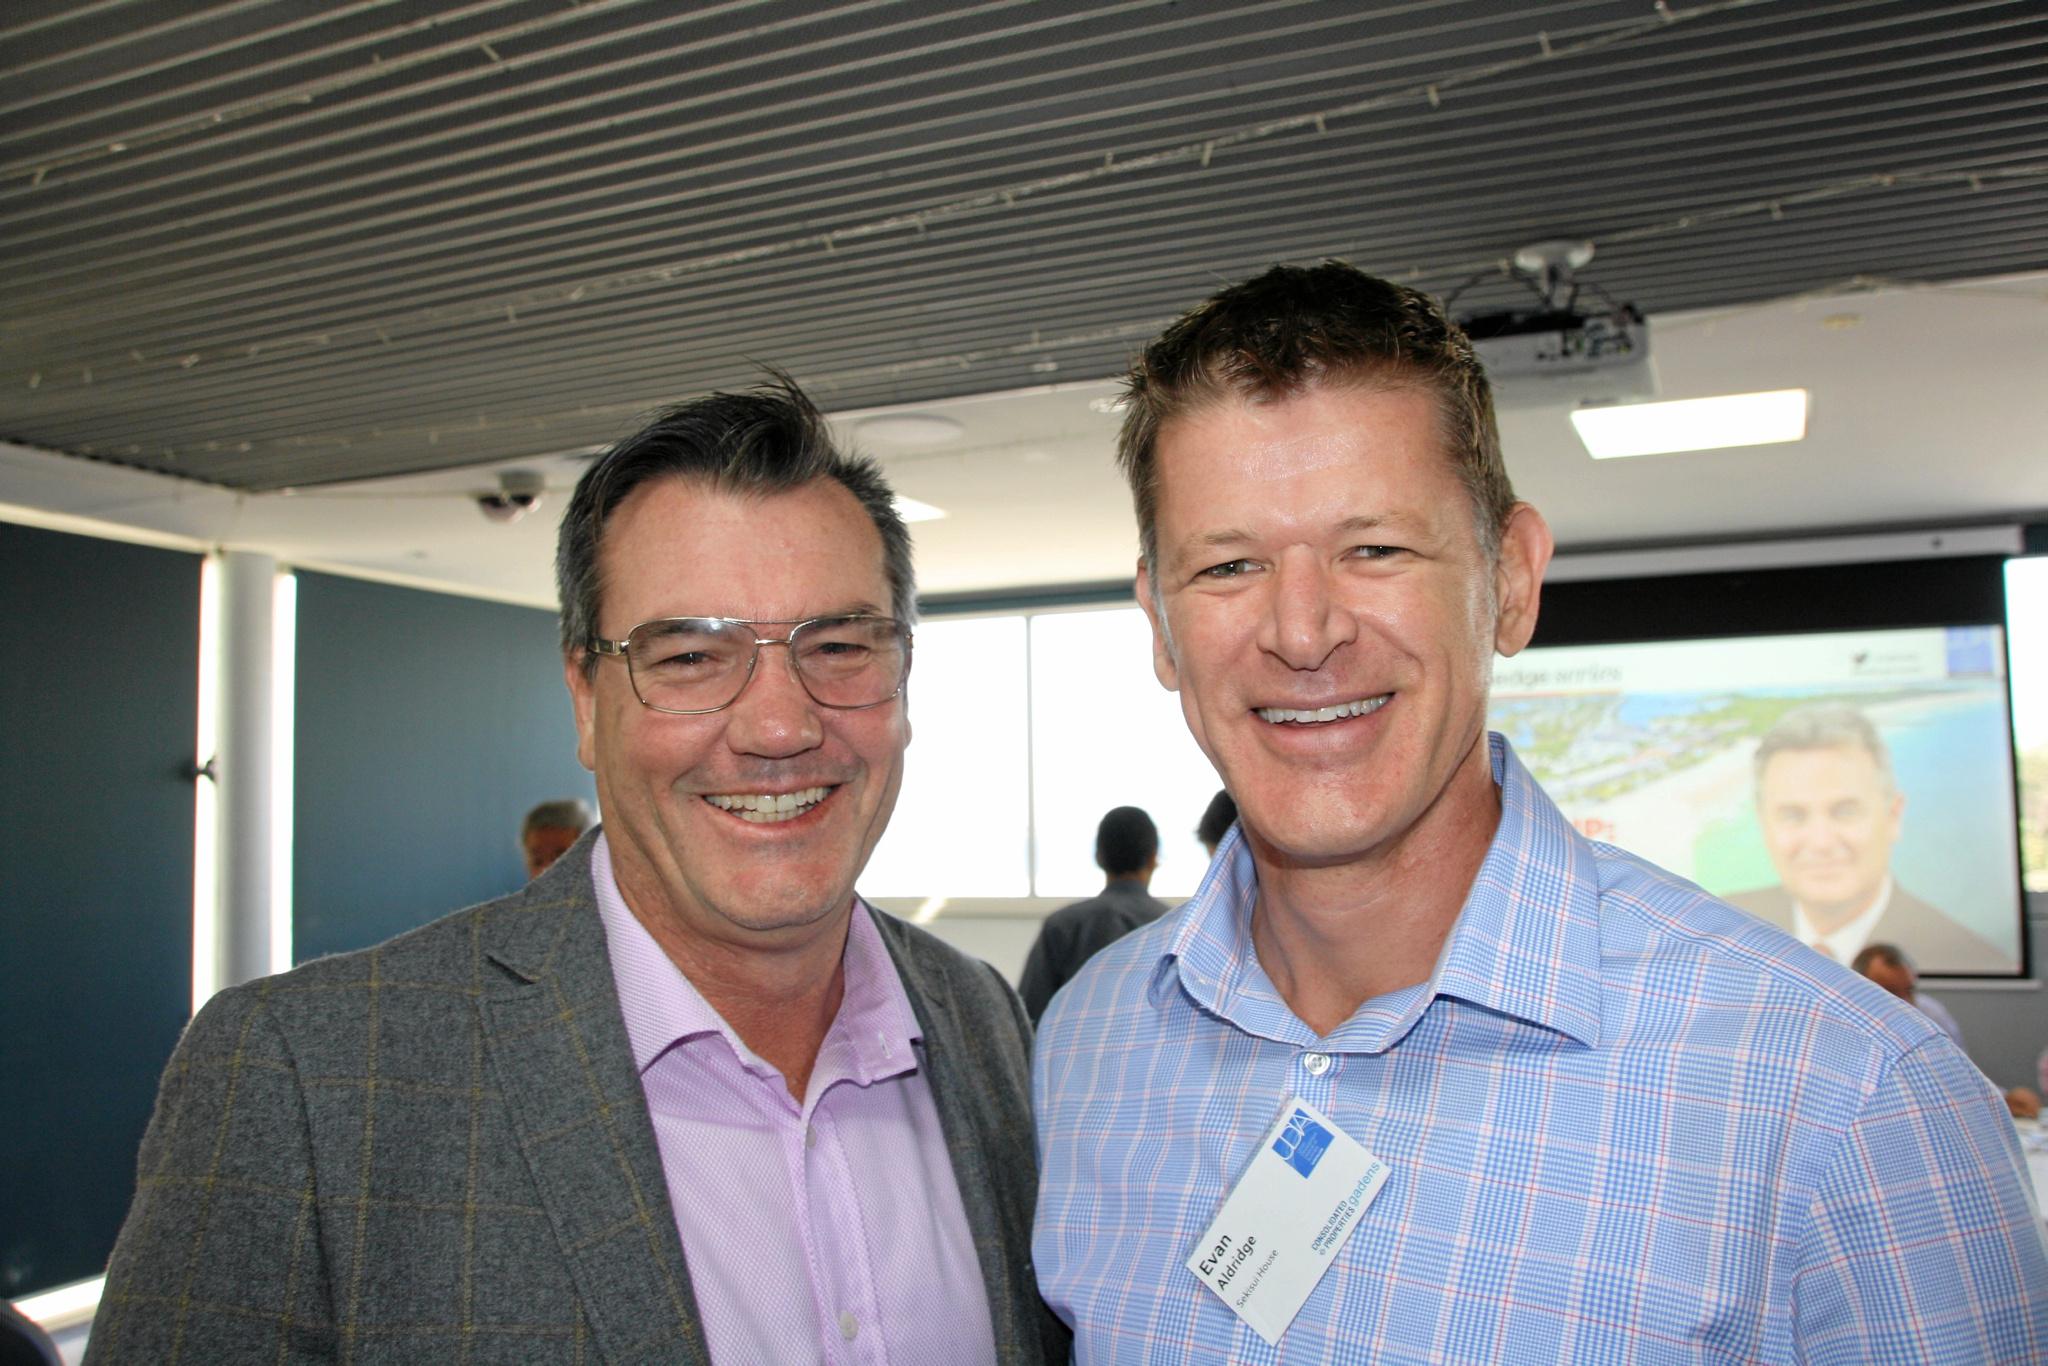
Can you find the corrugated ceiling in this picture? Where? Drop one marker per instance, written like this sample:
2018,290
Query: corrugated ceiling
271,243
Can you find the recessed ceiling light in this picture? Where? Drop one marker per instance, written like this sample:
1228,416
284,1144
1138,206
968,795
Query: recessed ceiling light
1692,424
909,429
910,510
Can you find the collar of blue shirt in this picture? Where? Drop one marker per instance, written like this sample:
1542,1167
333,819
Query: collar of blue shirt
1526,942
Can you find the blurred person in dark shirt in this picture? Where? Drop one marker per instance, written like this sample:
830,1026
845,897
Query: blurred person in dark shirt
1127,851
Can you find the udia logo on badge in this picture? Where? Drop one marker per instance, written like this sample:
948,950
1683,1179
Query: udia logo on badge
1302,1142
1286,1219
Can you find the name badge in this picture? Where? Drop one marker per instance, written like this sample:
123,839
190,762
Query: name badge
1281,1226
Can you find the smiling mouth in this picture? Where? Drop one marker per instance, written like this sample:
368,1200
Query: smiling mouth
768,808
1341,711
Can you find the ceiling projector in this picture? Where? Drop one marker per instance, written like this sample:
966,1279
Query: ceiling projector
1558,352
1543,355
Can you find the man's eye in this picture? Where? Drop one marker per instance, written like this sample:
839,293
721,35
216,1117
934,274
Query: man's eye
1376,552
1230,569
676,658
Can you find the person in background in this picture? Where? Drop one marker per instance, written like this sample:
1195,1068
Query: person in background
685,1097
1217,818
1888,966
1127,852
1421,1073
549,831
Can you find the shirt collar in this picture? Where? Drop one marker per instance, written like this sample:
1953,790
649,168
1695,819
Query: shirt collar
875,1019
1844,944
1526,942
870,1038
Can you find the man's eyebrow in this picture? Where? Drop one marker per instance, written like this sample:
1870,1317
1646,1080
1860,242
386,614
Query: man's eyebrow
1212,540
1200,546
1227,537
1396,521
853,609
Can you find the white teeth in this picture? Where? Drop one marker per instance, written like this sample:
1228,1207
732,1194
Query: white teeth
1343,709
767,808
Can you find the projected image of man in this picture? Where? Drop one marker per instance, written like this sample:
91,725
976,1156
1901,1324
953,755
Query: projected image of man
1831,813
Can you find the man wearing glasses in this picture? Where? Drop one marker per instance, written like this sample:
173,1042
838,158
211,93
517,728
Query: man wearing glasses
683,1098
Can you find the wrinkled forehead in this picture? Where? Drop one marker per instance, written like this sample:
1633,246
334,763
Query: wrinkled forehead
1221,400
689,545
1324,457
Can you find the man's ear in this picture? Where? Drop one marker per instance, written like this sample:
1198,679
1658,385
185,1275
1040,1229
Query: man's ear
1162,643
583,698
1525,547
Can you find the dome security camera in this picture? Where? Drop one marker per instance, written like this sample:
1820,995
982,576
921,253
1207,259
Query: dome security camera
518,493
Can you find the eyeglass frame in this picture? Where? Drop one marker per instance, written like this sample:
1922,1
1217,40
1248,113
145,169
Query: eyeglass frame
620,649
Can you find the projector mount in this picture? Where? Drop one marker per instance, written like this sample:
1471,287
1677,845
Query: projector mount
1557,350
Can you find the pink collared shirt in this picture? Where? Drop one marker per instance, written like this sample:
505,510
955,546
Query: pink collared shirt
830,1231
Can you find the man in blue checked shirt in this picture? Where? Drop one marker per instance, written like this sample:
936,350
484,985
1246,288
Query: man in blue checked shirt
1608,1117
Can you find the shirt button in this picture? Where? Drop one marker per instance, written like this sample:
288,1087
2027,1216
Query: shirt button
848,1324
810,1135
1316,1063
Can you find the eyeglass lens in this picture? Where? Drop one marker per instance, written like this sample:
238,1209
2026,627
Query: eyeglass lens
702,663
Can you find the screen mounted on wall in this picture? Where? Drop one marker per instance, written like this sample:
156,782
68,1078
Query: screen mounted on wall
1840,781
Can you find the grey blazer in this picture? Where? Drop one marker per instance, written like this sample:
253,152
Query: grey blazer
438,1150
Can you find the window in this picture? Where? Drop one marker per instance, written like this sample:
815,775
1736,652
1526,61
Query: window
962,823
2026,598
1105,734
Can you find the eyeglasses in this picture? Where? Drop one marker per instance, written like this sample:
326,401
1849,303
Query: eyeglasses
691,665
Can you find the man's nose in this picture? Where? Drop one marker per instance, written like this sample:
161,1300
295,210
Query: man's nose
1305,622
773,715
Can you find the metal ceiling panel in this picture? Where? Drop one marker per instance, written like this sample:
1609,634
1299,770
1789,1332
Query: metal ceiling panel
268,244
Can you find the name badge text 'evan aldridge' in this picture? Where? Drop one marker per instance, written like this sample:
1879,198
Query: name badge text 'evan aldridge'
1284,1222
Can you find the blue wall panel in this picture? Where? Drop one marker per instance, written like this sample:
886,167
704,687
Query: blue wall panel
427,725
99,681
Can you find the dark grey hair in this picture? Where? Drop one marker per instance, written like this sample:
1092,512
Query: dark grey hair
771,439
1827,725
570,813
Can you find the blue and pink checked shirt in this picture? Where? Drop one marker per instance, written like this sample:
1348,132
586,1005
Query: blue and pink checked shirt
1626,1123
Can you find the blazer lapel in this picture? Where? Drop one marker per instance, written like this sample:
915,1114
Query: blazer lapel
559,1049
968,1126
